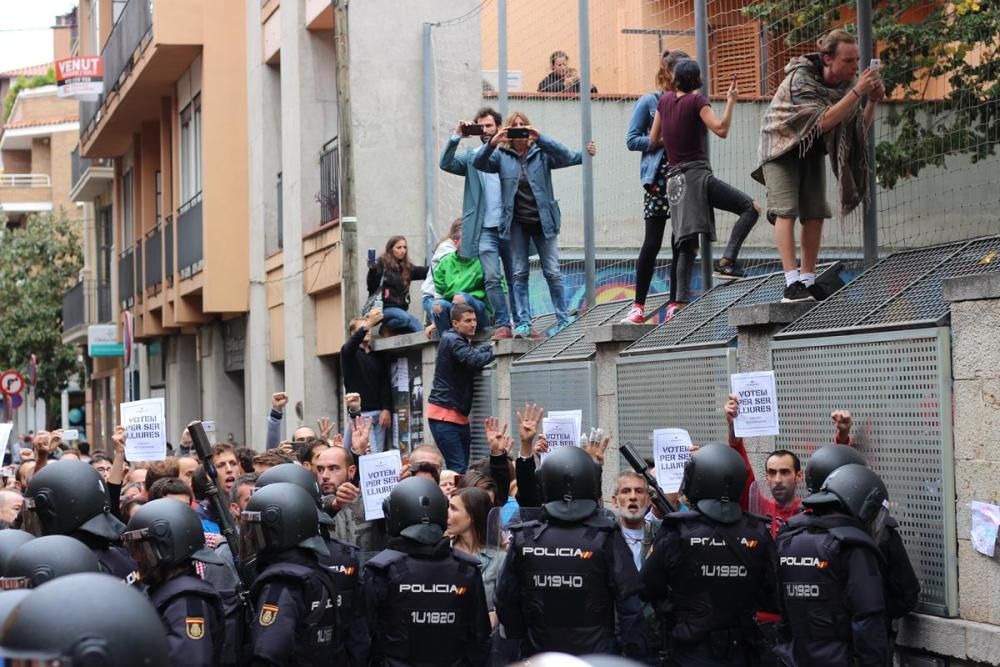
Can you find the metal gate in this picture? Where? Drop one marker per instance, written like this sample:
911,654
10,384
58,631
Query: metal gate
675,389
897,385
556,386
484,404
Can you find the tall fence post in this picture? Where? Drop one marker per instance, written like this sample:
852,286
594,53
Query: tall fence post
430,164
701,49
502,56
870,215
589,261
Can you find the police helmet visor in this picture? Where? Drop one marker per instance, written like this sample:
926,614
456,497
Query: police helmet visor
878,524
14,583
252,541
31,522
141,548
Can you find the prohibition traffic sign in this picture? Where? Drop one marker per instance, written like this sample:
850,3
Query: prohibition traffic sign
11,383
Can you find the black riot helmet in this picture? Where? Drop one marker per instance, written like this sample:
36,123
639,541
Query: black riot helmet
10,541
825,460
570,483
859,492
9,600
299,476
279,517
166,533
418,509
69,496
47,558
713,482
86,619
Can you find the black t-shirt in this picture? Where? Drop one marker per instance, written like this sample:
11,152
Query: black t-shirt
525,205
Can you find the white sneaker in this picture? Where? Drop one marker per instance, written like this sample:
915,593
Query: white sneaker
637,315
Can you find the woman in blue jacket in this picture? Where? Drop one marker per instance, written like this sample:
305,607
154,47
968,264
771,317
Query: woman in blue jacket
529,209
653,174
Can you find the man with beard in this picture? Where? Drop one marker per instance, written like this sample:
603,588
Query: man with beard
335,471
481,214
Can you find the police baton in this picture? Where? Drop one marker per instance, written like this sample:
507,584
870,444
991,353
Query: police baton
639,465
199,439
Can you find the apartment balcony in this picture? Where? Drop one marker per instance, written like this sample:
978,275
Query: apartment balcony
329,180
150,47
126,279
190,238
85,303
90,178
153,268
23,194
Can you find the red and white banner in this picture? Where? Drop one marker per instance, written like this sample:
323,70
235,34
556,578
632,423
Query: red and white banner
81,77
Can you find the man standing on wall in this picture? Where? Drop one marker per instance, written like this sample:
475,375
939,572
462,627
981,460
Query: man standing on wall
365,373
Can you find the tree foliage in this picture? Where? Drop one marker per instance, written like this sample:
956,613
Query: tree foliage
25,83
38,263
920,41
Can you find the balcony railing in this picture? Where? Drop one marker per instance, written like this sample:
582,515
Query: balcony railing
80,165
154,262
74,309
104,302
274,240
329,183
25,181
168,250
88,111
190,251
126,279
134,24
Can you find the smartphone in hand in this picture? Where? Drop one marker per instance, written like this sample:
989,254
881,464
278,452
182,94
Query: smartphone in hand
875,64
472,130
518,133
371,256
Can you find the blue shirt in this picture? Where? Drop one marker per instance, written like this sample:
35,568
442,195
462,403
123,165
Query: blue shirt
491,187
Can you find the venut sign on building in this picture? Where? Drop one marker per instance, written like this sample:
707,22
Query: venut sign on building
80,78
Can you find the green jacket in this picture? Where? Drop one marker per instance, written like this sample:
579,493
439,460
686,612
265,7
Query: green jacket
455,274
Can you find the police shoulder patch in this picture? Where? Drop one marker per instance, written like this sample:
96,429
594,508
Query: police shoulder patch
195,627
268,614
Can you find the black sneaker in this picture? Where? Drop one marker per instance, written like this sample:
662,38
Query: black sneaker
818,291
730,271
797,291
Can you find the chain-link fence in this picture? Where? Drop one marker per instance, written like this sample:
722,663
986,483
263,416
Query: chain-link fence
935,134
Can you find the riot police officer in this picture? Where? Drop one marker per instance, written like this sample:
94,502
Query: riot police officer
426,602
10,540
165,538
71,498
46,558
86,619
569,577
343,562
713,566
294,597
831,584
902,588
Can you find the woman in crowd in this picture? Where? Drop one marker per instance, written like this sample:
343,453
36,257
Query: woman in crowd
468,512
653,175
555,80
530,210
679,125
392,273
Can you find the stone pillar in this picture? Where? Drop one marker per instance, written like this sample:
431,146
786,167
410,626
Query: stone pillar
756,326
610,340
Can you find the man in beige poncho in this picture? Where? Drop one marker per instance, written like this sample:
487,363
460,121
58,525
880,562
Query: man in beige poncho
817,111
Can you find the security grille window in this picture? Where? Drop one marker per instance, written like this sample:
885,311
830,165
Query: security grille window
190,149
128,211
157,363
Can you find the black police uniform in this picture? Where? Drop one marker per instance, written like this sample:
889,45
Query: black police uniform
113,559
344,563
295,612
832,592
224,579
713,576
902,588
426,606
194,618
564,585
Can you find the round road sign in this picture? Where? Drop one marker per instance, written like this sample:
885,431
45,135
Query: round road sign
11,382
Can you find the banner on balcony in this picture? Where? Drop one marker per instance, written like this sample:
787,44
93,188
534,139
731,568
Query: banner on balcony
102,341
80,78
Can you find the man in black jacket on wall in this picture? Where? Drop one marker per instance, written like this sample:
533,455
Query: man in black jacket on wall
365,373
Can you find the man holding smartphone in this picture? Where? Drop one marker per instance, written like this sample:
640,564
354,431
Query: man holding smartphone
481,214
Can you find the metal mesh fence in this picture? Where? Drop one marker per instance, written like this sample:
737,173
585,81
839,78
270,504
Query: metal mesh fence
935,135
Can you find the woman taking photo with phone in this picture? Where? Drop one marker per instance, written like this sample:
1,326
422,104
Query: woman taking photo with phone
694,192
524,158
392,274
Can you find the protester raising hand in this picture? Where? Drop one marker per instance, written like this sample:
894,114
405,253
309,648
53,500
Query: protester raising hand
528,421
597,448
541,446
324,426
842,420
499,441
361,429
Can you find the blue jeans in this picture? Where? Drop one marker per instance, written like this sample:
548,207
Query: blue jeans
400,321
442,320
494,255
454,441
428,302
548,254
376,439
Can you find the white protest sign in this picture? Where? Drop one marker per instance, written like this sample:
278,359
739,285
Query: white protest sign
560,431
758,413
71,434
145,430
379,476
671,451
5,430
575,415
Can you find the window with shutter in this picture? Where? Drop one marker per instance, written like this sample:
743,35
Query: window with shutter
735,50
